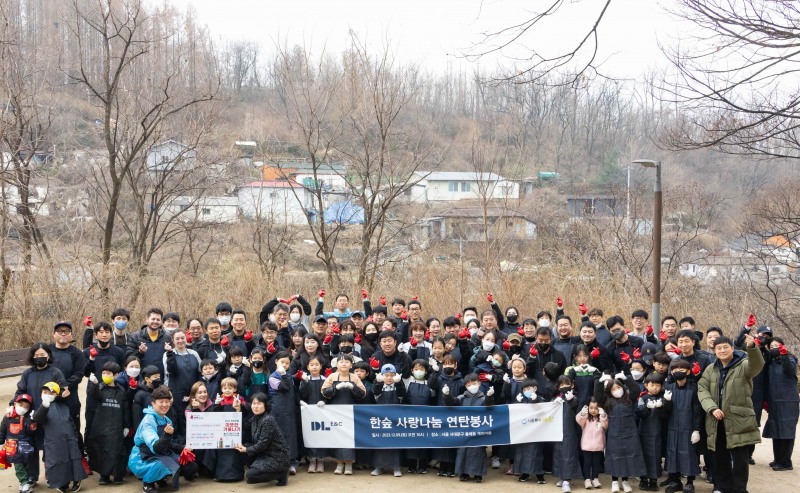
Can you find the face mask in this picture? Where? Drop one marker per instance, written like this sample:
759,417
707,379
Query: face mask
419,374
473,389
40,362
617,393
155,384
543,322
133,372
512,317
496,364
48,397
120,324
257,364
564,390
618,335
636,374
371,337
472,332
543,347
224,320
449,371
103,345
294,317
679,375
107,379
346,349
21,410
775,352
487,345
529,394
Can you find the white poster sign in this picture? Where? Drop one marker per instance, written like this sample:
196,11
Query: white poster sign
213,430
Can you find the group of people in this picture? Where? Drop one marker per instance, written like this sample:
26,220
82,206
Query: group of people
637,403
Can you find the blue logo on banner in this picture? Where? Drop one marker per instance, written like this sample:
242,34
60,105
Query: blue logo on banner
319,426
401,426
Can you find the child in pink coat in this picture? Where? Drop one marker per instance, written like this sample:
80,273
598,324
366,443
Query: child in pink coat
594,422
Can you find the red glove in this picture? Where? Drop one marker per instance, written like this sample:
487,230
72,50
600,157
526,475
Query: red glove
225,342
663,337
186,457
189,337
696,368
595,353
413,342
328,372
364,294
271,348
133,383
404,315
4,464
299,375
374,363
464,334
327,340
357,339
649,331
782,350
248,335
87,320
427,335
459,316
560,302
627,331
283,300
383,300
534,353
521,331
293,297
625,358
751,321
489,298
506,345
321,293
757,341
583,309
636,353
676,350
335,329
93,351
415,298
482,377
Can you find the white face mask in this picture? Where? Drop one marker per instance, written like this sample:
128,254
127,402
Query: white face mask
224,320
488,345
544,322
21,410
530,395
48,398
617,393
636,374
133,372
473,389
294,317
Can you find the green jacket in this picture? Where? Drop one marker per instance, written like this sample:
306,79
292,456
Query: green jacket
737,403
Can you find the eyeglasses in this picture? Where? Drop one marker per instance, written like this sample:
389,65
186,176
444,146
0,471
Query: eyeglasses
63,332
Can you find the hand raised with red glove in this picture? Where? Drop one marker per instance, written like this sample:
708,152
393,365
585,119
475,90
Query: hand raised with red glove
364,294
415,298
521,331
751,321
649,331
625,358
413,342
427,335
506,345
383,300
464,334
782,350
92,352
299,375
637,354
374,364
677,350
560,302
404,315
357,339
534,352
595,353
335,328
328,372
327,340
284,301
248,336
186,457
271,348
696,368
485,377
188,338
663,336
87,320
225,342
583,309
133,383
321,293
489,298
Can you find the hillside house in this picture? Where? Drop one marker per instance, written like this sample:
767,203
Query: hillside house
458,185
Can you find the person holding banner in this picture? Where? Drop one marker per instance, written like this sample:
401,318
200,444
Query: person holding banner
471,461
226,463
449,377
528,457
342,387
284,399
388,389
267,452
311,394
566,462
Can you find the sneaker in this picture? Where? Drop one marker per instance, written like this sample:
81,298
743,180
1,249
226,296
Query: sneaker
339,468
558,483
441,473
479,479
398,472
614,486
689,488
666,482
510,471
148,488
540,479
463,477
674,487
376,472
320,466
118,480
312,465
587,483
76,487
565,487
781,467
751,461
25,488
348,469
292,470
626,487
104,480
524,478
495,462
422,471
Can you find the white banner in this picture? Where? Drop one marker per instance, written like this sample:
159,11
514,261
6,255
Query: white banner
536,422
213,430
328,427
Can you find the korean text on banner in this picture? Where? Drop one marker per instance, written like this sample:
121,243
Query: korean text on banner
213,430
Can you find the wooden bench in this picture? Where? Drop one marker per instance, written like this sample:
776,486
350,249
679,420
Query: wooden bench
13,363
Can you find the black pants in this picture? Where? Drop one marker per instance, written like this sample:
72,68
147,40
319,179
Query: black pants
727,478
256,476
782,451
592,462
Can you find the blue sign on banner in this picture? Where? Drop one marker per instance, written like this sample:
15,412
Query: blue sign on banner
405,426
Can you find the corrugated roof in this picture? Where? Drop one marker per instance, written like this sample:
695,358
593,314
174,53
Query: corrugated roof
271,184
458,176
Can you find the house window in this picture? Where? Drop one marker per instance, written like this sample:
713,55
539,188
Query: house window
465,186
206,211
452,186
273,195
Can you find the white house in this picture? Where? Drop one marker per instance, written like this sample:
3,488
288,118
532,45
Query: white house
170,155
458,185
281,201
205,209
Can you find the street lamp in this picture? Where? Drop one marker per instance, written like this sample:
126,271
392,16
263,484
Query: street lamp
657,212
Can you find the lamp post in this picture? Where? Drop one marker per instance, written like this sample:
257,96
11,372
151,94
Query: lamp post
657,212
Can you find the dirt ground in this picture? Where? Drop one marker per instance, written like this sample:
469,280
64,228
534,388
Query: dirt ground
762,478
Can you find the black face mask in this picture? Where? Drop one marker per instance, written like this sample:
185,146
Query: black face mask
530,339
618,335
564,390
257,364
40,362
155,384
512,318
103,344
679,375
543,347
371,337
514,349
775,352
449,371
346,349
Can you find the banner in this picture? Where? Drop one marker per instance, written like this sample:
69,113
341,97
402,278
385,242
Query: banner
213,430
400,426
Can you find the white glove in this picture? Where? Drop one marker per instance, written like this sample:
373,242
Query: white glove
569,395
303,404
245,362
659,402
558,400
490,392
341,385
321,404
306,377
489,359
93,378
695,437
620,376
350,385
602,411
446,390
397,377
434,364
218,399
651,404
281,370
585,411
489,377
506,378
47,399
9,411
519,397
220,357
233,369
667,395
125,432
605,377
379,378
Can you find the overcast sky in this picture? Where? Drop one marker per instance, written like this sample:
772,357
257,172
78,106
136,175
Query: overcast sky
436,32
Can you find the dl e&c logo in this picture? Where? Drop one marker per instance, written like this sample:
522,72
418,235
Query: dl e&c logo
319,426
